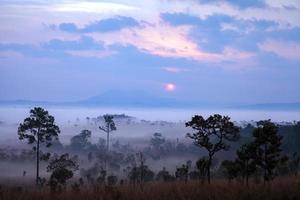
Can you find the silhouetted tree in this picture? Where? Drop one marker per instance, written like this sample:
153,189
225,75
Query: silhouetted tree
267,142
294,163
95,173
108,127
102,176
246,160
231,169
140,173
164,175
81,141
112,180
62,168
211,134
291,140
157,140
38,128
202,166
182,173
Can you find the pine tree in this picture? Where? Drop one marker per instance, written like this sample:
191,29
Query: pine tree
268,152
38,128
246,160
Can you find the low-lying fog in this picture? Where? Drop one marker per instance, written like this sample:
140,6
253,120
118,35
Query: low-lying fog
167,121
136,131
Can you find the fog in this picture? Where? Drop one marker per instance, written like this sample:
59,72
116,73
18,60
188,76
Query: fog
136,131
72,120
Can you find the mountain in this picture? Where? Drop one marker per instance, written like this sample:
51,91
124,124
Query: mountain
270,106
134,98
142,99
117,98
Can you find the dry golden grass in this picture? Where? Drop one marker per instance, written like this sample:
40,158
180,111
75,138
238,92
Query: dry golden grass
283,188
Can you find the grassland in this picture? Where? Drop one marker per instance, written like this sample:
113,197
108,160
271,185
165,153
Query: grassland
282,188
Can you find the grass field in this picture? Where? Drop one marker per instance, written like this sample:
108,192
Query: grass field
283,188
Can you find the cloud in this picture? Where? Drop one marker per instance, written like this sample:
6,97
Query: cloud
104,25
84,47
168,41
92,7
175,69
90,53
83,43
285,49
288,4
240,3
283,15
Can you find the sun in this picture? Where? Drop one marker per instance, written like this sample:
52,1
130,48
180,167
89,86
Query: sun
170,87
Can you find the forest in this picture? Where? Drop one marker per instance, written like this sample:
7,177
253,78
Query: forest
221,160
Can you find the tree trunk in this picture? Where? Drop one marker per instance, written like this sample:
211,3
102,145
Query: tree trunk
208,169
37,158
247,175
265,162
107,148
107,139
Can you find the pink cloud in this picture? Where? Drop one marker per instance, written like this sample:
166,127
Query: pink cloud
165,40
285,49
174,69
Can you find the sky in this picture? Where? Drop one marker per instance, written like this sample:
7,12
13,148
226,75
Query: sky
235,52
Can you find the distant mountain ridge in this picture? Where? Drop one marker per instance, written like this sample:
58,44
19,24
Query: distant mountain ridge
271,106
118,98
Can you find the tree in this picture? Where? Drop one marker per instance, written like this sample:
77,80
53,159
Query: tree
182,173
294,163
211,134
108,127
62,168
291,140
202,166
38,128
230,169
246,160
81,141
112,180
140,173
267,142
156,142
164,175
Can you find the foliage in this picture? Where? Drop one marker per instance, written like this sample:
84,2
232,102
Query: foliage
202,166
112,180
212,134
294,163
38,128
246,160
140,172
182,173
164,175
81,141
61,168
267,142
108,127
230,169
291,140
